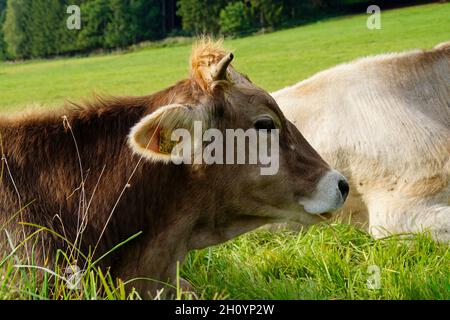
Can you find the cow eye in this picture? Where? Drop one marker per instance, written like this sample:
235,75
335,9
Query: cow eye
265,123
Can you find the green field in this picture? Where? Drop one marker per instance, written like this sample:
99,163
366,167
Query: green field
271,60
327,261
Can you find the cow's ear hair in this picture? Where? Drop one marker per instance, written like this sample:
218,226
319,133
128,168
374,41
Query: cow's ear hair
151,137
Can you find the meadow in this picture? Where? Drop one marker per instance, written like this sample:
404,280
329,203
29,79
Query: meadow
334,261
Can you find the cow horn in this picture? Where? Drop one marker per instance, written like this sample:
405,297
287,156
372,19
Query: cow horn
221,67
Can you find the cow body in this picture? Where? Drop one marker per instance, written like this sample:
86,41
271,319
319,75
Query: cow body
384,122
67,175
89,177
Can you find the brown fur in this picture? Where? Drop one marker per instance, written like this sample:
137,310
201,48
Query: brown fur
176,208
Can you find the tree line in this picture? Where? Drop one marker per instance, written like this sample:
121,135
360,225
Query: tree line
38,28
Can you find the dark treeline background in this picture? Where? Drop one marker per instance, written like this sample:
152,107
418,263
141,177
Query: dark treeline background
37,28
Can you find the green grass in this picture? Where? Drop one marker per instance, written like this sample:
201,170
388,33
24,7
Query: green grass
325,262
272,60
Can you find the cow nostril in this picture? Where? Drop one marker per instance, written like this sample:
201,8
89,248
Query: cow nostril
343,188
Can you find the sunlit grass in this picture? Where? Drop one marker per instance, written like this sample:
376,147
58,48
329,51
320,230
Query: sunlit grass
327,262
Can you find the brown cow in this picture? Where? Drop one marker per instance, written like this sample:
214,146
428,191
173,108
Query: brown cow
83,175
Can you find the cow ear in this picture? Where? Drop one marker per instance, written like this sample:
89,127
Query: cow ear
152,136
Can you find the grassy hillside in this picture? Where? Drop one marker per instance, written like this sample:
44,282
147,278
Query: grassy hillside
326,262
271,60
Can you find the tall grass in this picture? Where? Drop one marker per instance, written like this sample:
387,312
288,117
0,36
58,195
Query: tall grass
335,261
22,277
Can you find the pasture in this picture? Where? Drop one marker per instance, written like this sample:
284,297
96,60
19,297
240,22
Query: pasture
333,261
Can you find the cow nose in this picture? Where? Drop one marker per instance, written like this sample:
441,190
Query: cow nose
343,188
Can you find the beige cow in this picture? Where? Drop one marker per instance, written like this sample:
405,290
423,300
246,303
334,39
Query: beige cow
384,122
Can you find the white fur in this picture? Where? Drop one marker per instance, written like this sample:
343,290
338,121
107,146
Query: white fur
327,197
384,122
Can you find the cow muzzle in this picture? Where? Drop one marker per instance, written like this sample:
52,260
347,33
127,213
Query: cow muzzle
330,194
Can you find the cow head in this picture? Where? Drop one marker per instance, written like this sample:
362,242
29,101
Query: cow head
287,181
